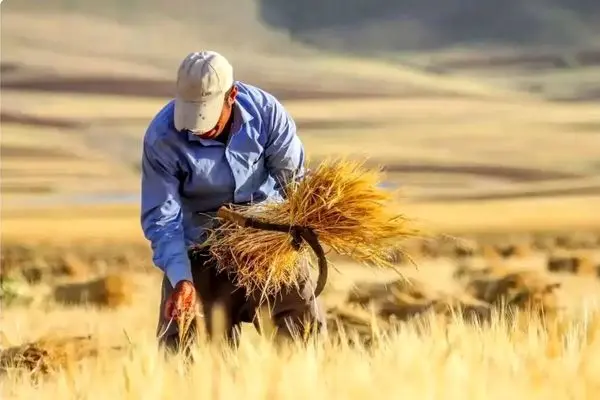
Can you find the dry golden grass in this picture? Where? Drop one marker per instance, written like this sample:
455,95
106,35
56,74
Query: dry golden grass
340,200
416,344
48,355
429,359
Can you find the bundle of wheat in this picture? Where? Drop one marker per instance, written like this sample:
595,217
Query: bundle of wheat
113,290
575,262
405,291
406,299
528,290
342,201
356,325
49,354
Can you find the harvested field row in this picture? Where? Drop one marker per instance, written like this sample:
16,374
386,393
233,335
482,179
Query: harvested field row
68,123
51,359
38,262
591,190
367,314
24,119
562,251
517,174
26,152
587,57
50,173
160,88
28,188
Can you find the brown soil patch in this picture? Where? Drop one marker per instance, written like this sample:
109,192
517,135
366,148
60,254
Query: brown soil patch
583,96
28,189
508,173
579,263
8,67
13,172
334,125
574,191
13,151
19,118
493,171
590,57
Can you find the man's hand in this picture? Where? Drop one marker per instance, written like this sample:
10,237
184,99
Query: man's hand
182,300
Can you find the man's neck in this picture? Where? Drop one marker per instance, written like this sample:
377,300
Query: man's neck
224,135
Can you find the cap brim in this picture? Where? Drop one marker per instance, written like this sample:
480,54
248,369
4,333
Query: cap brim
200,117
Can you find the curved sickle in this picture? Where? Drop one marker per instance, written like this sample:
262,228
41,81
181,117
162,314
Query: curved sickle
306,234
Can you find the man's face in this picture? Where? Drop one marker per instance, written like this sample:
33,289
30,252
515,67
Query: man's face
224,118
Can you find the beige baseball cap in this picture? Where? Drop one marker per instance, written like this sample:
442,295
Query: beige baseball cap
202,81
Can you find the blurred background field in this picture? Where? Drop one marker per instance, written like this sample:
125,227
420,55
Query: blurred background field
485,114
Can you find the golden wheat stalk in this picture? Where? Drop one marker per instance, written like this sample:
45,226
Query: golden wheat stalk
184,322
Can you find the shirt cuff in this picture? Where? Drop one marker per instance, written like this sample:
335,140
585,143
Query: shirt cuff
179,273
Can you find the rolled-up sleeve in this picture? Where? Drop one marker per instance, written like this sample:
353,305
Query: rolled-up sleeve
284,151
161,214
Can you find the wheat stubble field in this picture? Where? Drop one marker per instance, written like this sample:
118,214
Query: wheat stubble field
86,294
504,301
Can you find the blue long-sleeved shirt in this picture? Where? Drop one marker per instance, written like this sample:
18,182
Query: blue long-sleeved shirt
183,174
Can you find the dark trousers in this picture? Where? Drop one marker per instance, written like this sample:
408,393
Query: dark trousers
293,311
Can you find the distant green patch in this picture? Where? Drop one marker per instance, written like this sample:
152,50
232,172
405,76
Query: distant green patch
14,292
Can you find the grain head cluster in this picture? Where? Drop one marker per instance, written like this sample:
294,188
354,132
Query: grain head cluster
342,201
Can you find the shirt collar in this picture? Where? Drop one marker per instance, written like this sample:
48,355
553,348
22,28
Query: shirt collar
241,116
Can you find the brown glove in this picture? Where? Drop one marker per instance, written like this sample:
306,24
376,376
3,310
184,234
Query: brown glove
182,300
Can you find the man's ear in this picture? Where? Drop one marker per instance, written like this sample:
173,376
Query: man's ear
232,94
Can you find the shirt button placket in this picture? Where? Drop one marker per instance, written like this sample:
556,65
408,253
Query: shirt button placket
235,172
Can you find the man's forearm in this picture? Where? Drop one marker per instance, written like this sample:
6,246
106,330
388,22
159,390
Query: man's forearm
178,272
162,226
170,255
